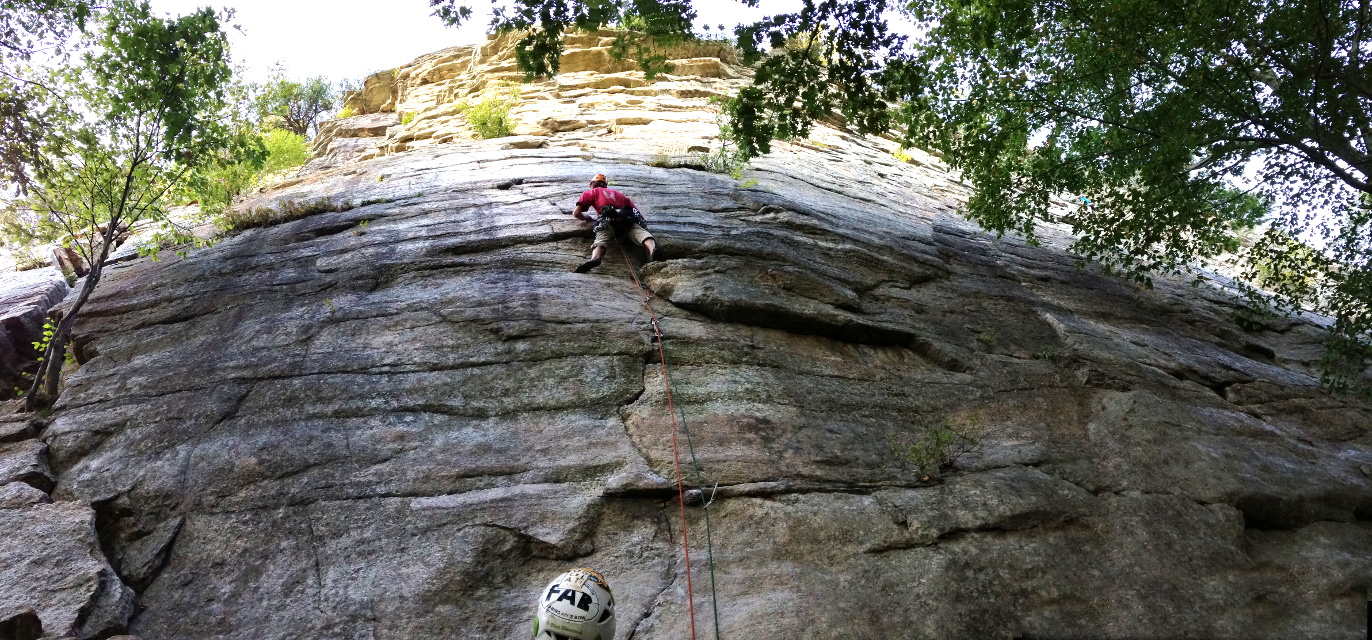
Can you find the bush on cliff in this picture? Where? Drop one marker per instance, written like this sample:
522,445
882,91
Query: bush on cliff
285,150
218,185
930,448
271,121
284,212
491,116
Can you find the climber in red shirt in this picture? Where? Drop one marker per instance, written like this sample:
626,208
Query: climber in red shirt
615,212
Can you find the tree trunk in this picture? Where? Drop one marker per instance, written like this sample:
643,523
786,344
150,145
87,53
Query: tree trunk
43,391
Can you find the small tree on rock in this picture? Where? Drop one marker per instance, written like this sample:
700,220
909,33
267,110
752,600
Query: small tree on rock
294,106
144,108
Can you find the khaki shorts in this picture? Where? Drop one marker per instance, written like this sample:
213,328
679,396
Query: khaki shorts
606,236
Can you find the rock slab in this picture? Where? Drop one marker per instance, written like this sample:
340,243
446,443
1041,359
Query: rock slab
26,461
51,562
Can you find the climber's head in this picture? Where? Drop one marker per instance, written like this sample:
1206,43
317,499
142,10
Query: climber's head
577,605
599,181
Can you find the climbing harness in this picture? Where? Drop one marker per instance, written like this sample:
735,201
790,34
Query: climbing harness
647,295
611,215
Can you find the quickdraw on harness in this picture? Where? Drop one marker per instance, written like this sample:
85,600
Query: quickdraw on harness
647,295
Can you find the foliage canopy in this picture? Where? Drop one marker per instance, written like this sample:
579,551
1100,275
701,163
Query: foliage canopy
29,28
1173,125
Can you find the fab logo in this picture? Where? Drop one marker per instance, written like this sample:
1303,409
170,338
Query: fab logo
570,604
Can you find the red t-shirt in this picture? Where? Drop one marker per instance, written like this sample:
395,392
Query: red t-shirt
601,196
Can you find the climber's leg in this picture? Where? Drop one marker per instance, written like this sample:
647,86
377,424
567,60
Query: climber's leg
604,236
596,254
641,237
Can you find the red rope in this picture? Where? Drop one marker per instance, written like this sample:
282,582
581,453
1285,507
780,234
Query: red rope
671,411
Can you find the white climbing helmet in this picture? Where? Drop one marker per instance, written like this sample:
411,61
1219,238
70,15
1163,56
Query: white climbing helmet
577,605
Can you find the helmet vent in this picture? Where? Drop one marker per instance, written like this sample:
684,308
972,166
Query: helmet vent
605,615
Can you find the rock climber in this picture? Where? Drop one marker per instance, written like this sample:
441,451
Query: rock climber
576,605
615,213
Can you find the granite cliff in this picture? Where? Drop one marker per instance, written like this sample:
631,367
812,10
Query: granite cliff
396,412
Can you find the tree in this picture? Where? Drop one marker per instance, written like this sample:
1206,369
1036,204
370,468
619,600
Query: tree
1174,124
145,108
29,28
1154,111
294,106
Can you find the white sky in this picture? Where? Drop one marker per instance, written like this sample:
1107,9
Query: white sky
352,39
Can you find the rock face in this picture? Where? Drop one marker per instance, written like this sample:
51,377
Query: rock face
342,141
595,100
25,297
402,419
26,462
50,562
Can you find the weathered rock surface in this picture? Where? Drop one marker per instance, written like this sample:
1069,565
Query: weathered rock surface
596,100
400,420
50,561
26,461
17,427
339,142
21,494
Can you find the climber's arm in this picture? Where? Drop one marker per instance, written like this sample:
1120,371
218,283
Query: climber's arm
579,212
586,202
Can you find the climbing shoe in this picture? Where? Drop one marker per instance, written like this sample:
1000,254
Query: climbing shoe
588,265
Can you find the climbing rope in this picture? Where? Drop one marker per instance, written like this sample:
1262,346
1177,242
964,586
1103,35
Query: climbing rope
644,293
704,504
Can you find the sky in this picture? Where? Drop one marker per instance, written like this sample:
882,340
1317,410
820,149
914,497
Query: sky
350,40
